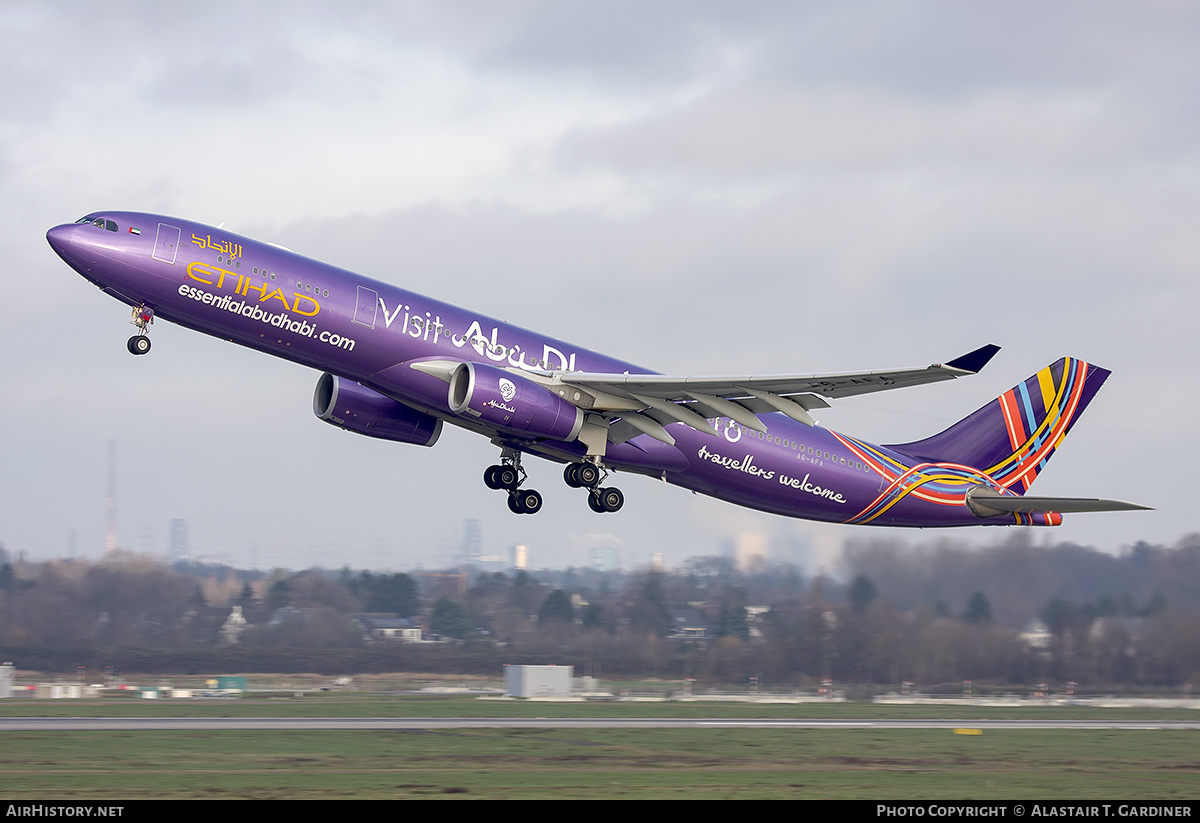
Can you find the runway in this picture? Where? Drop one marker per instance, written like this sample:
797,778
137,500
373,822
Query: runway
64,724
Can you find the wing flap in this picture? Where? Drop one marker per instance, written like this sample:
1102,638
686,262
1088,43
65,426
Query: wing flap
678,413
720,407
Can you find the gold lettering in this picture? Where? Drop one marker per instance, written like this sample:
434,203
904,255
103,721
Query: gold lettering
221,278
278,295
261,288
201,268
316,307
215,276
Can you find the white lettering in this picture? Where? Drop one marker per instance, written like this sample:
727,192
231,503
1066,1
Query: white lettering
388,318
805,486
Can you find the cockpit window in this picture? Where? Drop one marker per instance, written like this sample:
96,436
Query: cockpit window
98,221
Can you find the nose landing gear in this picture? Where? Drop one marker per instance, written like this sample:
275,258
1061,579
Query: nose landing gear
143,317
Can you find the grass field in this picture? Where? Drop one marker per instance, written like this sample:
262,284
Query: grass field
663,764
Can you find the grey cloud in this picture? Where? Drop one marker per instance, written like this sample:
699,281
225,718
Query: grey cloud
782,187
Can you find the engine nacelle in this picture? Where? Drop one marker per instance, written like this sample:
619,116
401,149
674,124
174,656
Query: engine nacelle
512,402
355,408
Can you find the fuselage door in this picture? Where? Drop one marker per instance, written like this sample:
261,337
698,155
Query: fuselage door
166,244
366,306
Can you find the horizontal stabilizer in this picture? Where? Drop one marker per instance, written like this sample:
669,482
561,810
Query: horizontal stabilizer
985,503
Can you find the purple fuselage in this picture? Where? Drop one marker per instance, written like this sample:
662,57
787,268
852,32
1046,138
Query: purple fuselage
267,298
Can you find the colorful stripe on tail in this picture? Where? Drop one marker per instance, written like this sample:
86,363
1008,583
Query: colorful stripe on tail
1012,438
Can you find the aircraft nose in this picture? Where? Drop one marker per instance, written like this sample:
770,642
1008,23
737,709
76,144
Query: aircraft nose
60,237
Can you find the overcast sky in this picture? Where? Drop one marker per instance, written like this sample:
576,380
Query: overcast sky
701,188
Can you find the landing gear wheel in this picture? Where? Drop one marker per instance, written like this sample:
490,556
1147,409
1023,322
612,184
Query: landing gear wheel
525,502
581,475
611,500
501,477
508,475
602,501
587,474
138,344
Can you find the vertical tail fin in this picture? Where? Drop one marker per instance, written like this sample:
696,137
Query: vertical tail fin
1014,436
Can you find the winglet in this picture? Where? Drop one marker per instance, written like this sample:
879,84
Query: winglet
974,361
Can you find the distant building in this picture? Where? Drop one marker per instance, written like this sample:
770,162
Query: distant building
538,681
472,545
1036,635
286,614
178,541
401,629
755,616
689,624
752,552
795,549
605,559
231,630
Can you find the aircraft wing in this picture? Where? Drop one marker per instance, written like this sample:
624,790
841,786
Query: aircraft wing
633,404
690,399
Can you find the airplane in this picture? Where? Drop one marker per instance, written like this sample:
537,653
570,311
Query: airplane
397,366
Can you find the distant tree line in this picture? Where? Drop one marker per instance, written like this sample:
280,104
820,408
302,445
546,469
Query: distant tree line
1012,613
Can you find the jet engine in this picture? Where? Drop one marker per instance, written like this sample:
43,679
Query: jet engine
512,402
355,408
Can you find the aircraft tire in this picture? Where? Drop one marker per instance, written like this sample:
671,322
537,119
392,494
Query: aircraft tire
489,477
507,477
138,344
587,474
594,504
570,475
525,502
611,500
529,501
